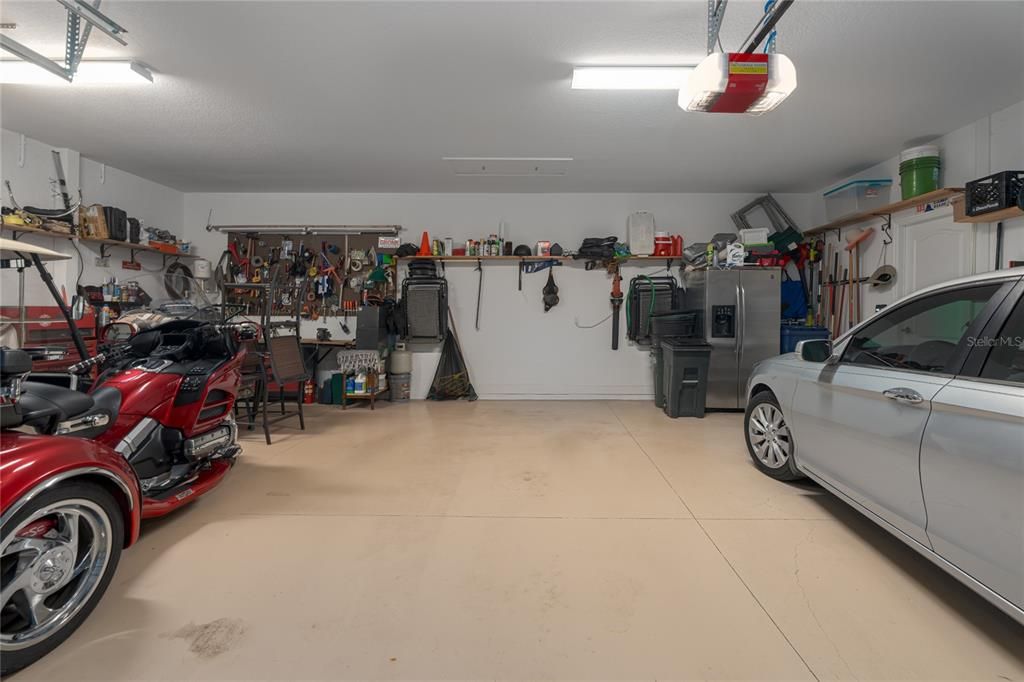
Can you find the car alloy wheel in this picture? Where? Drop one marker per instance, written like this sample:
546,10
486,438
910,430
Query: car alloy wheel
770,438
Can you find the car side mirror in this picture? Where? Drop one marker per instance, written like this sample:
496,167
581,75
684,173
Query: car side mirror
816,350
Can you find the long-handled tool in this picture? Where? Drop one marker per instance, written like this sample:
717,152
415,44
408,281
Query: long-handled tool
616,299
835,293
849,286
480,291
854,239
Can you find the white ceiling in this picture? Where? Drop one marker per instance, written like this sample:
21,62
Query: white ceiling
371,96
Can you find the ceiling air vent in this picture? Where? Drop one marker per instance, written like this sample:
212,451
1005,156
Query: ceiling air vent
508,167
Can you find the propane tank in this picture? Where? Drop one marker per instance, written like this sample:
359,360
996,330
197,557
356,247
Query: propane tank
400,361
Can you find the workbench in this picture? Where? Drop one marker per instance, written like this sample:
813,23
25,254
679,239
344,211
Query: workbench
329,344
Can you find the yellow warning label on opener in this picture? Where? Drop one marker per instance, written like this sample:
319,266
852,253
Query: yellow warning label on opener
748,67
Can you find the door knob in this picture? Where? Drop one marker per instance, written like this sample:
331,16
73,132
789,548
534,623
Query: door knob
903,395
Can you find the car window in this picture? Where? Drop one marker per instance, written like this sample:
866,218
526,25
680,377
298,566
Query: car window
921,335
1006,358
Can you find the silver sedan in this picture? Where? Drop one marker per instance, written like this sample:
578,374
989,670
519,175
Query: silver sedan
915,417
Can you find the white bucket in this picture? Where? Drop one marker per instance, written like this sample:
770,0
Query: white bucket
924,150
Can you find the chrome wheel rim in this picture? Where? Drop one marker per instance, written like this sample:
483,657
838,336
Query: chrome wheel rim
770,438
49,568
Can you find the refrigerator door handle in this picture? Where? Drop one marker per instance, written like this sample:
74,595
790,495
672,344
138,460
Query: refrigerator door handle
741,302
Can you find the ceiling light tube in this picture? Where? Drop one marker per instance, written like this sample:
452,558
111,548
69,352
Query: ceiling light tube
89,73
630,77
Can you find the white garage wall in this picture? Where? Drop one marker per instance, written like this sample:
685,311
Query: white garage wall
991,144
520,351
154,204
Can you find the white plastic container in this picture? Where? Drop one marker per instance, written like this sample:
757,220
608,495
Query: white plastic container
640,233
857,196
921,152
755,236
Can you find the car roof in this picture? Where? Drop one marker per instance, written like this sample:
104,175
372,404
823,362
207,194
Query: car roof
992,276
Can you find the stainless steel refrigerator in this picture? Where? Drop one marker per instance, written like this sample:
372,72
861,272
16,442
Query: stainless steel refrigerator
742,314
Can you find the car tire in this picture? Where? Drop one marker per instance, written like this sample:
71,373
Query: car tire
97,538
769,438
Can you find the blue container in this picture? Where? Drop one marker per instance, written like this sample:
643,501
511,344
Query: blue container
791,334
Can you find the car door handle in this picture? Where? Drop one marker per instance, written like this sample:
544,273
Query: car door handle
903,395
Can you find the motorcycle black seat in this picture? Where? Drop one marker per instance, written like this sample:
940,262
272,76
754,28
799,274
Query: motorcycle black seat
42,405
106,401
48,409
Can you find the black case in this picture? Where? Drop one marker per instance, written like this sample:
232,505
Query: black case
117,223
134,231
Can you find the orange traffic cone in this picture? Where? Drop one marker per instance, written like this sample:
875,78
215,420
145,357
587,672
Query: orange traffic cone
424,245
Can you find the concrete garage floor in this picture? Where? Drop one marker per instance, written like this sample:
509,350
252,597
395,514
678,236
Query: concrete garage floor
526,540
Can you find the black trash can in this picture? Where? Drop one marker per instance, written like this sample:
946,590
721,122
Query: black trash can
678,324
685,376
659,374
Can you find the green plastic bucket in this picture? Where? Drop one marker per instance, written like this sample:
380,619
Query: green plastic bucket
919,176
919,170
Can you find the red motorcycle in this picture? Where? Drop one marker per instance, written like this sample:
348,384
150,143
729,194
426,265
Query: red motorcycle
154,432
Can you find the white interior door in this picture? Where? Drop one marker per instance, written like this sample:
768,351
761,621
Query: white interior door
933,249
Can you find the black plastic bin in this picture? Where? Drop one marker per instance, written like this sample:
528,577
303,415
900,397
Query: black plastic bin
659,374
678,324
685,376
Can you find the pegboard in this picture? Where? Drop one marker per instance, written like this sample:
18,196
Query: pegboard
341,273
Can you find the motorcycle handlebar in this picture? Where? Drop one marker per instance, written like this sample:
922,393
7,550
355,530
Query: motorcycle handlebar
85,365
245,330
111,353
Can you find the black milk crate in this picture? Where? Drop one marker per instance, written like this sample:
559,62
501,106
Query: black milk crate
993,193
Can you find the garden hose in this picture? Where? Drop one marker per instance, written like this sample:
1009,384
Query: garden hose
650,311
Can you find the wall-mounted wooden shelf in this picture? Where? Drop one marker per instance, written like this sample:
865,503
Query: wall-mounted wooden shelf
487,259
959,216
104,244
883,211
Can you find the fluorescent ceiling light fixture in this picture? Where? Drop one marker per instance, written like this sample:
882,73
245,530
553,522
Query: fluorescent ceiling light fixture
509,167
630,77
89,73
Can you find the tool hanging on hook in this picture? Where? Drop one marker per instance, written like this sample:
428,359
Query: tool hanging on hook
616,300
479,291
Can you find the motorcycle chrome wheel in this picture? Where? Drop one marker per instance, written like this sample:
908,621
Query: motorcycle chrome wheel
50,565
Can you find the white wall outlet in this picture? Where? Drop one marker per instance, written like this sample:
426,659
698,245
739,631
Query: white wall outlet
103,262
